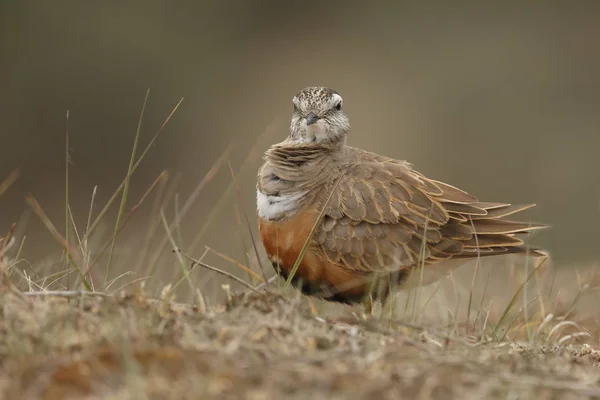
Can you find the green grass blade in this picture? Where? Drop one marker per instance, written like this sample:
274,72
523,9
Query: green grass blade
67,225
137,163
126,187
515,297
310,235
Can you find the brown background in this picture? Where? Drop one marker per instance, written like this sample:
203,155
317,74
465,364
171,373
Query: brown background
502,101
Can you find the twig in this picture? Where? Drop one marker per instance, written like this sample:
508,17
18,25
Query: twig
66,293
186,273
208,177
262,284
217,270
191,268
235,262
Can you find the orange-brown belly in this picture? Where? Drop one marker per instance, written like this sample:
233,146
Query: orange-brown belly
283,241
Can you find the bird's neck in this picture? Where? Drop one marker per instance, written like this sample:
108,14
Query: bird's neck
306,166
294,156
317,138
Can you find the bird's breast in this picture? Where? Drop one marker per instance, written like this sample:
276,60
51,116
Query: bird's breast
274,207
283,240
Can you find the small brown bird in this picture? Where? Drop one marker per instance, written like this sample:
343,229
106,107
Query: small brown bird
373,219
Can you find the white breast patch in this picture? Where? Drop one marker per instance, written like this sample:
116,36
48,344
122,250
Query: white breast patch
276,207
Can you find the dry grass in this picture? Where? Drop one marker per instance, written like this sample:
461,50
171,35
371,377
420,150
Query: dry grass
73,330
262,345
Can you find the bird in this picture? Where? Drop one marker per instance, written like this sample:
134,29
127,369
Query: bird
344,224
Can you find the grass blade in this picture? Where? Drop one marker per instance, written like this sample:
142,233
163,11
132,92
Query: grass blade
217,270
8,181
137,163
52,229
477,264
126,187
67,210
236,263
310,235
515,297
184,269
160,178
253,155
188,204
237,188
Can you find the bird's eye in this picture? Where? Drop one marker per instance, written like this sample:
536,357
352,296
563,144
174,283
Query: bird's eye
295,107
338,106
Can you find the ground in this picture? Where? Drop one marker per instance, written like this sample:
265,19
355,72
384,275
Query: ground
260,346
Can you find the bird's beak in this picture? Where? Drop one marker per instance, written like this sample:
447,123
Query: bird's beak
311,119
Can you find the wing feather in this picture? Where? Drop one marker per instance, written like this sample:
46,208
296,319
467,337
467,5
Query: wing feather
383,212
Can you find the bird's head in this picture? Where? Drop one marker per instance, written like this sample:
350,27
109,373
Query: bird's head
318,117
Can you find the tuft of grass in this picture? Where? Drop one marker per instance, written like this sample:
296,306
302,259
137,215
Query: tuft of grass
184,269
237,188
516,296
208,177
161,177
150,144
57,236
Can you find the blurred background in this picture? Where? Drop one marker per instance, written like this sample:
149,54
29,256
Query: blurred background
502,101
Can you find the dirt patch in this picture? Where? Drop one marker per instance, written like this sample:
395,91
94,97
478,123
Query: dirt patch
262,346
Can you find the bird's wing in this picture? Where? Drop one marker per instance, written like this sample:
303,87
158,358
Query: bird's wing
384,214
